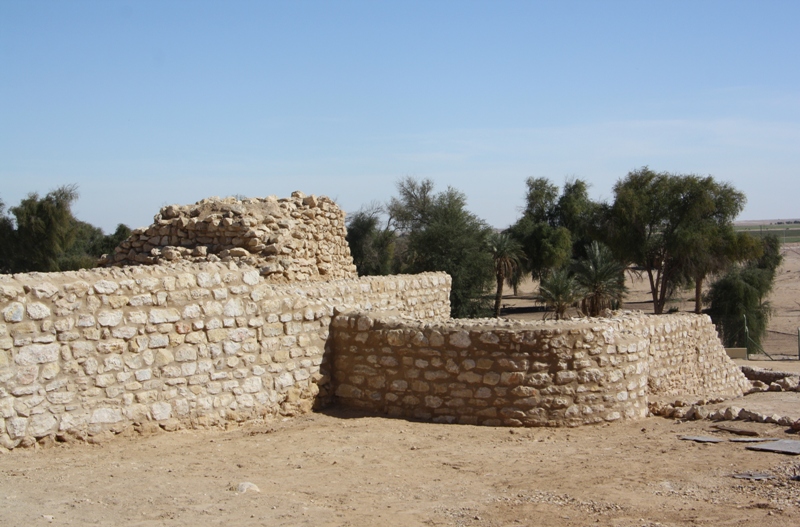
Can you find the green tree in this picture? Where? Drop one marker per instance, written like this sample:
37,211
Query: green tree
507,255
44,230
372,247
7,240
576,212
666,223
546,244
440,234
43,235
601,279
716,250
741,294
559,290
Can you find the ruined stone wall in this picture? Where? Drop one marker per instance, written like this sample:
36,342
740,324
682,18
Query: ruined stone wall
508,373
293,239
685,356
90,351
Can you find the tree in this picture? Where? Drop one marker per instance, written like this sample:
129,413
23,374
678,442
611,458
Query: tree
667,223
576,212
438,233
715,252
601,279
44,229
559,290
741,294
43,235
546,244
371,247
6,240
507,255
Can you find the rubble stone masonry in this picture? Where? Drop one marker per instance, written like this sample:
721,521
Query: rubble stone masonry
187,345
512,373
229,310
301,238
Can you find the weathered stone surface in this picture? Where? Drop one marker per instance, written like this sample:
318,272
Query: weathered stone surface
42,425
37,311
38,354
284,240
161,316
14,312
16,427
106,287
106,416
109,318
161,411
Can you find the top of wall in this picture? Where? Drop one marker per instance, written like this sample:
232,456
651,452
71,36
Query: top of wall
301,238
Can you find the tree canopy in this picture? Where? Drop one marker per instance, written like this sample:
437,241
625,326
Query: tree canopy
426,231
667,224
43,235
740,295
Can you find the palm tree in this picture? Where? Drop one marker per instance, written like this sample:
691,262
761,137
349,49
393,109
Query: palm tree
601,278
559,290
507,254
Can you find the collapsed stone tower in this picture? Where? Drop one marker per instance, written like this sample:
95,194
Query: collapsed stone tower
301,238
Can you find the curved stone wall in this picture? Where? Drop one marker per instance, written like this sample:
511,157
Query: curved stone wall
509,373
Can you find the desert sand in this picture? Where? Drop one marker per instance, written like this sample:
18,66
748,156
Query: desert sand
345,468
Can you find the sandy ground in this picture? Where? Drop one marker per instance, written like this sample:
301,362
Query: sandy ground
348,469
341,468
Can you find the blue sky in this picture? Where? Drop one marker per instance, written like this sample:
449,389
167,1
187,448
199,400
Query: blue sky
143,104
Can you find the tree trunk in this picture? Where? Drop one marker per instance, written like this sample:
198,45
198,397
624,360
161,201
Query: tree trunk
698,294
654,287
499,296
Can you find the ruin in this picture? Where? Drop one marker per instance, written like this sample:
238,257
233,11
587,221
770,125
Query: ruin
242,310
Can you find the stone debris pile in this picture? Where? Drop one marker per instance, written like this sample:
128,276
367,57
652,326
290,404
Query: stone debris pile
295,239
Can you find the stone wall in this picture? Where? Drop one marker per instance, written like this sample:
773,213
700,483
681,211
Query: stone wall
300,238
509,373
94,351
686,357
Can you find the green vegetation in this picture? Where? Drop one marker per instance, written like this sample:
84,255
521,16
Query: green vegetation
371,247
427,231
678,228
42,235
507,255
545,240
740,295
559,290
601,280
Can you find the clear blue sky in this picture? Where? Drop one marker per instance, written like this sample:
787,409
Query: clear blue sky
146,103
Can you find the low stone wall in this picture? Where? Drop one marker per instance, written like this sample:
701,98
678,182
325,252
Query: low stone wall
508,373
194,345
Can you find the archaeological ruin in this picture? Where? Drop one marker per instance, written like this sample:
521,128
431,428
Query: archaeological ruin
234,310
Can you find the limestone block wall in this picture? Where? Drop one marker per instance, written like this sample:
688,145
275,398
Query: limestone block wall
490,372
89,351
300,238
685,356
493,372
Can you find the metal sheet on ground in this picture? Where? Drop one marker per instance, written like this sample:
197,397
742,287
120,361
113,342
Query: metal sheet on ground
701,439
783,446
